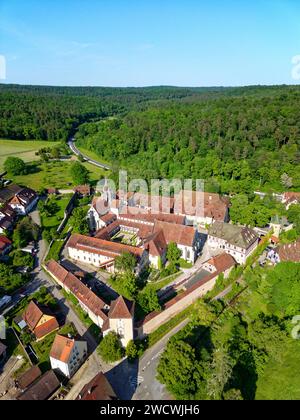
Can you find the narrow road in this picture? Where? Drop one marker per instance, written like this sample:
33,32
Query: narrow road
150,388
77,152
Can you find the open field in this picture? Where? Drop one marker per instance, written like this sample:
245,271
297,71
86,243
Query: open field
55,175
22,149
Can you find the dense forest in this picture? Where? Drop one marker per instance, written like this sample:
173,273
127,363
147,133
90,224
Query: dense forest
236,143
242,351
237,139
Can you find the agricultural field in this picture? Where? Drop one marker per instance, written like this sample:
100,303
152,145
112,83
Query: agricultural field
23,149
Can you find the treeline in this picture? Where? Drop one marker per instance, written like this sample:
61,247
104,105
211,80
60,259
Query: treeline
235,143
224,356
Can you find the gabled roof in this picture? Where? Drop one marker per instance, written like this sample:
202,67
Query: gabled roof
27,378
41,389
156,244
78,289
102,247
98,389
242,237
289,252
4,243
180,234
32,315
9,192
62,348
121,308
222,262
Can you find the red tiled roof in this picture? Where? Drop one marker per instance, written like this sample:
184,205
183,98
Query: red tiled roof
83,189
289,252
46,328
41,389
121,308
98,389
29,377
32,315
202,204
290,197
180,234
101,247
222,262
77,288
4,243
62,348
156,244
146,216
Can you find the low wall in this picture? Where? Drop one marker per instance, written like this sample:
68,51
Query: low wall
175,306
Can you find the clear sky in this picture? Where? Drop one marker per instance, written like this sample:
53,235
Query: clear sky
149,42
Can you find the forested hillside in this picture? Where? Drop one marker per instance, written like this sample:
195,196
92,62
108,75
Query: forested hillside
237,143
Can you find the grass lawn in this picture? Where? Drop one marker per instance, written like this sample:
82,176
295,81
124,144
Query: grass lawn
281,381
54,221
54,251
157,285
22,149
55,175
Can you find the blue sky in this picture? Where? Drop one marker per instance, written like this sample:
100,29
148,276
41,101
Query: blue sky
149,42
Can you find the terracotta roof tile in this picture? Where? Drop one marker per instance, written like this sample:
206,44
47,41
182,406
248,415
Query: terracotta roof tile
289,252
222,262
62,348
180,234
27,378
121,308
98,389
42,389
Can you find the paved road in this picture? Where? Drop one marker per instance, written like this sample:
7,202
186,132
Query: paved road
150,388
77,152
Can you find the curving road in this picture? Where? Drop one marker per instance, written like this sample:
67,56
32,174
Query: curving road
77,152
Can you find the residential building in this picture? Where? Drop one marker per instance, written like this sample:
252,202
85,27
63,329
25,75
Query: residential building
3,349
40,320
67,355
102,253
239,242
83,190
98,389
290,198
120,320
5,245
24,201
29,377
284,253
42,389
222,263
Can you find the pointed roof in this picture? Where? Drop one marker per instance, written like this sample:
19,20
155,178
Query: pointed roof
98,389
156,243
121,308
62,348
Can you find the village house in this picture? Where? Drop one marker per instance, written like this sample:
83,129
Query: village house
42,389
67,355
102,253
40,320
24,201
83,190
222,263
7,218
120,320
27,378
5,245
290,198
98,389
284,253
239,242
